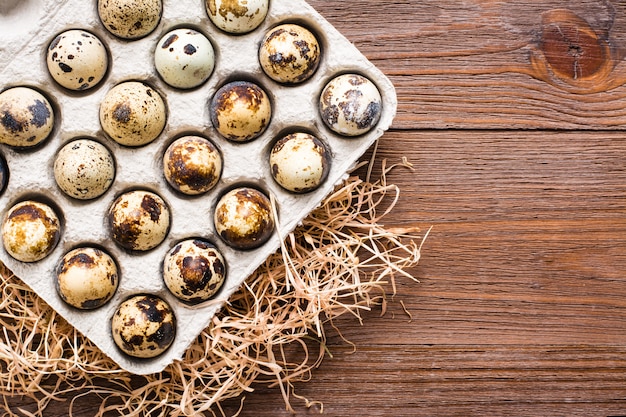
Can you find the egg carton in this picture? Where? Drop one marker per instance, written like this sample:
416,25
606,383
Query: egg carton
31,26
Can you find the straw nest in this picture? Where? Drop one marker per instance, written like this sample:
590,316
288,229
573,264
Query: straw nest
339,261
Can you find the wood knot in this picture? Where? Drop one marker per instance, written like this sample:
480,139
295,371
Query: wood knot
572,48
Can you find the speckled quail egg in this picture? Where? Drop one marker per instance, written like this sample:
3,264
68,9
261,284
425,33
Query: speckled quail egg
133,114
130,19
4,173
299,162
194,270
144,326
84,169
237,16
240,111
77,59
87,278
139,220
184,58
30,231
289,54
350,105
243,218
26,117
192,165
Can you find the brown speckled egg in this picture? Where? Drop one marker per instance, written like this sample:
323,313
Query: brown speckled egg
143,326
289,54
194,270
26,117
30,231
192,165
184,58
87,278
237,16
84,169
130,19
350,105
243,218
133,114
241,111
299,162
77,59
4,173
139,220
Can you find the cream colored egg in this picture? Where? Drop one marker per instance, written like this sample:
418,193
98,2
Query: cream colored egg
87,278
184,58
30,231
77,59
299,162
243,218
144,326
350,105
84,169
237,16
130,19
241,111
192,165
194,271
133,114
26,117
139,220
289,54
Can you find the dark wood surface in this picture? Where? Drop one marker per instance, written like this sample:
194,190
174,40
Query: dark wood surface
513,115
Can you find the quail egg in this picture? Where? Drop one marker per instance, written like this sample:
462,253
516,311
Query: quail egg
143,326
87,278
240,111
194,270
184,58
192,165
77,59
84,169
26,117
4,173
133,114
30,231
139,220
130,19
289,54
237,16
299,162
243,218
350,105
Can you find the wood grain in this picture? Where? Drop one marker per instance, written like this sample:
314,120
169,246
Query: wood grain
521,172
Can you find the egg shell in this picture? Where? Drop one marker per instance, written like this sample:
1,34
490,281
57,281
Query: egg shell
194,270
139,220
77,59
133,114
84,169
4,174
143,326
130,19
289,54
192,165
87,278
243,218
300,162
237,16
240,111
350,105
30,231
26,117
184,58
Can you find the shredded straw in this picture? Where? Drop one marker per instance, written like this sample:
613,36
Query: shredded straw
272,331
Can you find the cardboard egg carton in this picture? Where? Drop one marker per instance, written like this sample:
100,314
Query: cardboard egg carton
30,27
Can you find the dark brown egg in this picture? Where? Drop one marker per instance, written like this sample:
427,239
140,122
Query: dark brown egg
192,165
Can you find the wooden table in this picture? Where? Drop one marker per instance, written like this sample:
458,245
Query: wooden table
513,115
